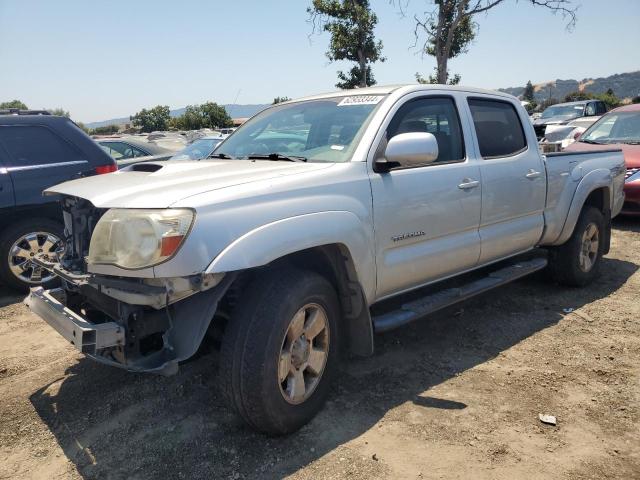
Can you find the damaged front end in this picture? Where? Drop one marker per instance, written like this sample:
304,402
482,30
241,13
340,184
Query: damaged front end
140,324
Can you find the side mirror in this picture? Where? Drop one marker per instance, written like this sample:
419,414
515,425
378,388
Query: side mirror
408,150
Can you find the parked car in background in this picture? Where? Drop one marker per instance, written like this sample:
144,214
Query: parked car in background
565,135
38,150
290,246
620,128
563,113
199,148
129,150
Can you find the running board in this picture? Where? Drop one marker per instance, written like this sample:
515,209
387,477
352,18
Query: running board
415,309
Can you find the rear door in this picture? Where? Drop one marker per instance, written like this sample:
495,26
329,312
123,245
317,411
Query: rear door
513,179
38,158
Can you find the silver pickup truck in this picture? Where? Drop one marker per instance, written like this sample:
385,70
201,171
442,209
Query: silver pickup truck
300,239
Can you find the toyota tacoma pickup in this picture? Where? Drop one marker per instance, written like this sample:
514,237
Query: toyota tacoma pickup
299,240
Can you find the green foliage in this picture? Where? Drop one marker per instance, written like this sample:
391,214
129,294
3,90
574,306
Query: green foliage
106,130
280,100
449,29
351,24
528,92
636,99
13,104
528,96
207,115
156,118
82,127
58,111
609,98
433,79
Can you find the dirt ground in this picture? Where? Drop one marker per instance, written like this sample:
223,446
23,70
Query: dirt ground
456,395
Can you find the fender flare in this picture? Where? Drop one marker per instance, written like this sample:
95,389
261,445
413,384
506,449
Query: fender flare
600,178
264,244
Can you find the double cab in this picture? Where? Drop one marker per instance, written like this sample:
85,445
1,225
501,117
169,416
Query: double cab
293,245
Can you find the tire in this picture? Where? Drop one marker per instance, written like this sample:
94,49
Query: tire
260,330
44,230
565,264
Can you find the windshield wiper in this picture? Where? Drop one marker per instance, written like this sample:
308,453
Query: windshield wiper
222,156
276,156
593,142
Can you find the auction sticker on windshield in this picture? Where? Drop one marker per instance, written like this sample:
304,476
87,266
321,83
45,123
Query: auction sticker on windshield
360,100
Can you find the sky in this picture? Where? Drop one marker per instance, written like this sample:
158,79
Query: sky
108,59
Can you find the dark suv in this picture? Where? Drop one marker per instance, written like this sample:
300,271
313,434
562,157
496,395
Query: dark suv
37,151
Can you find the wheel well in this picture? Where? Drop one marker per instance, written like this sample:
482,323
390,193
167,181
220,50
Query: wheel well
334,263
599,198
51,211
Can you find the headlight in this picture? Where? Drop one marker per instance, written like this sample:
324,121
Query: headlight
132,238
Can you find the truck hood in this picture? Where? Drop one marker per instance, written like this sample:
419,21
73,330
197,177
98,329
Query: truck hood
161,184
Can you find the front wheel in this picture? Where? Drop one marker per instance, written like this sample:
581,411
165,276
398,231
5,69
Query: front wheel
577,262
280,350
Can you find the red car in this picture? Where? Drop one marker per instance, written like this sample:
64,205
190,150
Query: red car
620,128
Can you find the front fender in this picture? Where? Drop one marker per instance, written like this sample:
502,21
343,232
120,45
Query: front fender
600,178
275,240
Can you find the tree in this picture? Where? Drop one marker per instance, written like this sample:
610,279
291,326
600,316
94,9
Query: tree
105,130
528,92
156,118
58,111
449,29
215,115
13,104
280,100
351,24
528,96
636,99
207,115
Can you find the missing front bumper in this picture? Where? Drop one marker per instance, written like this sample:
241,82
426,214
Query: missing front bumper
87,337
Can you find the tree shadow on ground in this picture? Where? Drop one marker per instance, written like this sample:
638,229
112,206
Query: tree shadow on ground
115,424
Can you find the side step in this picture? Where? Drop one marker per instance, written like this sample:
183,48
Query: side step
415,309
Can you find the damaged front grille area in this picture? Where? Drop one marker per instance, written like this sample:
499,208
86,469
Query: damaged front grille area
80,219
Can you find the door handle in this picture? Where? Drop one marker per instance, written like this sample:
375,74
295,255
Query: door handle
468,184
532,174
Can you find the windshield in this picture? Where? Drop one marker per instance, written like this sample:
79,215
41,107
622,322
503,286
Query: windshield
325,130
564,111
198,150
616,127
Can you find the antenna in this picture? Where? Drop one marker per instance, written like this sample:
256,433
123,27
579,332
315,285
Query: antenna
235,101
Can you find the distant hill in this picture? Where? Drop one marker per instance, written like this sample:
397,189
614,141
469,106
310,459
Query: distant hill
624,85
234,110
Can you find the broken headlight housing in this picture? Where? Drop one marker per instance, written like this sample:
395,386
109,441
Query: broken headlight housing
138,238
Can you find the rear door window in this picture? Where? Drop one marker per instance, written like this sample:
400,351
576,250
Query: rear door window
35,145
498,127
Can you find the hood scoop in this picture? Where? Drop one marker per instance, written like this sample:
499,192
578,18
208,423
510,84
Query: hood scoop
144,167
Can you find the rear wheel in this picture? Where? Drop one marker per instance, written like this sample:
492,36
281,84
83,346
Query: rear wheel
577,262
280,350
19,243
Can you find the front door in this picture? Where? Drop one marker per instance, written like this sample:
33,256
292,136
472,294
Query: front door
513,180
426,217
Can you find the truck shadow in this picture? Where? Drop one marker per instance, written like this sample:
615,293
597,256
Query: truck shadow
114,424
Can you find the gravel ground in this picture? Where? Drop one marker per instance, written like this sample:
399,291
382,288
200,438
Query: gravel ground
456,395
